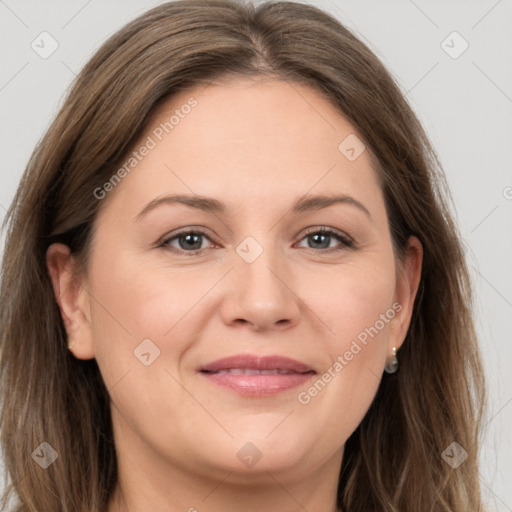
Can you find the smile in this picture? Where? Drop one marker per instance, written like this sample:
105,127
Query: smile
257,376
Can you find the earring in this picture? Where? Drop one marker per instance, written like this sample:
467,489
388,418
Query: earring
71,342
392,365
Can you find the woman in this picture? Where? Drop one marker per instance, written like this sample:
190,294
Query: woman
173,336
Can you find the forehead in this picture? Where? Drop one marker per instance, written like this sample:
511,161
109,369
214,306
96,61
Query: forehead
242,139
247,115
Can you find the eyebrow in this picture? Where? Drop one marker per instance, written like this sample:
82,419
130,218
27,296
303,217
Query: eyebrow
211,205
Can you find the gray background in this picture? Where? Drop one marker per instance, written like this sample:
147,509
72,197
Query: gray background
465,104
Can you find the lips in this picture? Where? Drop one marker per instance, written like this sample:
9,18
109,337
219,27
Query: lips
253,363
253,371
254,375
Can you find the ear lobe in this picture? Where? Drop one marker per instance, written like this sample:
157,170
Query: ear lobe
408,281
72,299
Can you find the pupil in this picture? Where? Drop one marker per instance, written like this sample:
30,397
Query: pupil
316,236
189,240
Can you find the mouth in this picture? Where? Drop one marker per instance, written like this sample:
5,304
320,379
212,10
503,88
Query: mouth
253,375
253,371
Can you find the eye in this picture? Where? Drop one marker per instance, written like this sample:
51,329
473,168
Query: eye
188,242
321,238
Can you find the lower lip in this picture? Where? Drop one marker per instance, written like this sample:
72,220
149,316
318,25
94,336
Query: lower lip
258,385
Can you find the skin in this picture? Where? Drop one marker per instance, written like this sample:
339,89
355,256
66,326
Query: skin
258,146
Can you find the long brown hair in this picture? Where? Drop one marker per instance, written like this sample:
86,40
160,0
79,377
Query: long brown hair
393,461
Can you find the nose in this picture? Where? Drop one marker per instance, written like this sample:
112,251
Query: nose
261,294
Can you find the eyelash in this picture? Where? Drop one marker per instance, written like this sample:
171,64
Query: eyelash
345,240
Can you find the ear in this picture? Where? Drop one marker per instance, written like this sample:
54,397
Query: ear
408,280
72,298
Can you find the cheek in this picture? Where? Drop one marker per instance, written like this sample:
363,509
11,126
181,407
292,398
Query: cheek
143,313
357,306
136,316
354,302
131,305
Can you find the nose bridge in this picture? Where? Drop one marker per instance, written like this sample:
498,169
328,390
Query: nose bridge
261,293
258,265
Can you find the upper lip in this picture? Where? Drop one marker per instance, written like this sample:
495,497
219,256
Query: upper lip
273,362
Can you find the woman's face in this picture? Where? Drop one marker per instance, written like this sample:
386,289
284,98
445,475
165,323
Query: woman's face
255,279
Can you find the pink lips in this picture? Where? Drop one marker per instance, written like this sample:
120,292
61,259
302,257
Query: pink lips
254,375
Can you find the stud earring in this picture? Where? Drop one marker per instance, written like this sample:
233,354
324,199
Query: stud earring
392,365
